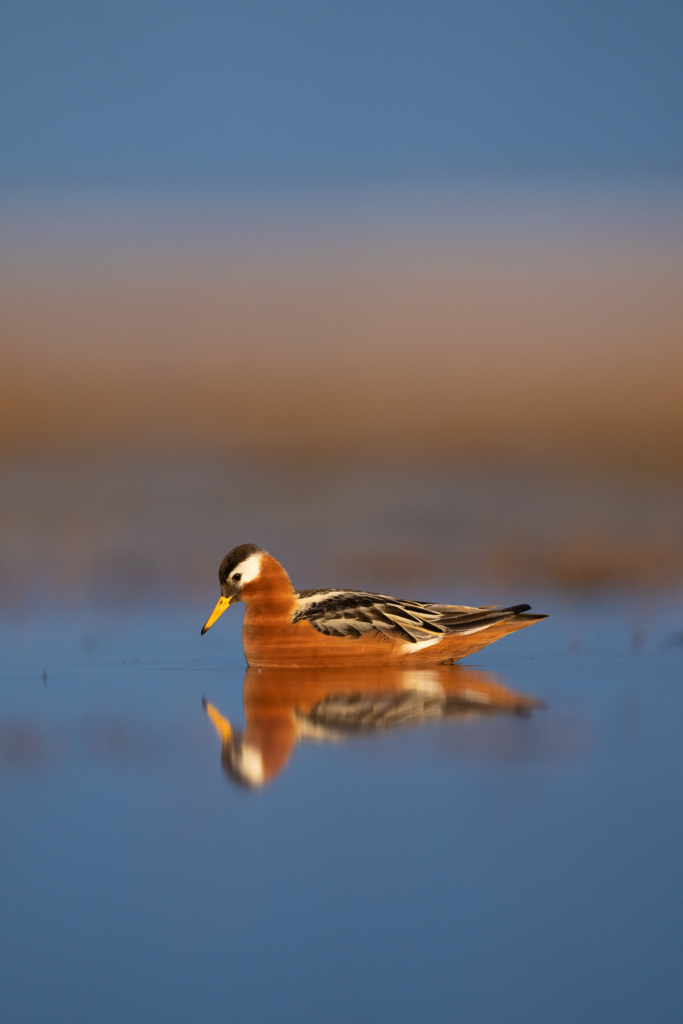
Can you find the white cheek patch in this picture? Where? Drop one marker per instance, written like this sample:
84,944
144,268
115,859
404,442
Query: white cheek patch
250,765
249,569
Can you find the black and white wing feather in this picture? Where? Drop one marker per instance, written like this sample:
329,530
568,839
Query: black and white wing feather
354,613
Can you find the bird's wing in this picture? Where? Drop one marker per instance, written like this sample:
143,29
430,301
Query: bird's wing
354,613
340,713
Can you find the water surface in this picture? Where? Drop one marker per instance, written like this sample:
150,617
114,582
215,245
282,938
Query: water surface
483,866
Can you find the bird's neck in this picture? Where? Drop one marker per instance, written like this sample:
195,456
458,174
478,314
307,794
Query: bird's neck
271,594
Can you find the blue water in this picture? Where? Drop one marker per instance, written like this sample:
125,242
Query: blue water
482,869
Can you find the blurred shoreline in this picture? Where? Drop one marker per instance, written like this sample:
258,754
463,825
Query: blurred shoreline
121,533
387,391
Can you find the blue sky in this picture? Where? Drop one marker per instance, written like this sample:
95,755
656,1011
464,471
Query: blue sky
265,93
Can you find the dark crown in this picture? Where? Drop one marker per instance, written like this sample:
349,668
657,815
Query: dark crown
234,557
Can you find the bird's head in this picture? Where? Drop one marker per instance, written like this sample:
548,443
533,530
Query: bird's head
242,761
241,566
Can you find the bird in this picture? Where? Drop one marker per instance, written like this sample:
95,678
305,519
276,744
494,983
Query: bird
339,628
283,707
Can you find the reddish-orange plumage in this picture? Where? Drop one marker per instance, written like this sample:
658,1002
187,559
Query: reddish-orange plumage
282,707
273,639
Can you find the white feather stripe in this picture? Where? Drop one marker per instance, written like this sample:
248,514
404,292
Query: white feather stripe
410,648
306,602
478,629
414,625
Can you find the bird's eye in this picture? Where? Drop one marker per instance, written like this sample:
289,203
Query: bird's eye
237,577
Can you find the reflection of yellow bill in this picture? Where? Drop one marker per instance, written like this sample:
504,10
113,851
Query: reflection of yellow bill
222,725
223,603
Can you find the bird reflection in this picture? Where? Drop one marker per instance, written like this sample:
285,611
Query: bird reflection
284,706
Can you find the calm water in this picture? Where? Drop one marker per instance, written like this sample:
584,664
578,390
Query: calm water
477,867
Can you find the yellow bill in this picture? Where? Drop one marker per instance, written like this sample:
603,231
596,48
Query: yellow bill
223,603
221,724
